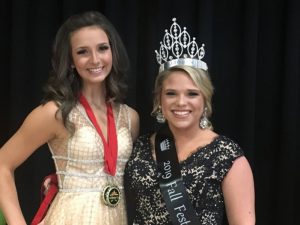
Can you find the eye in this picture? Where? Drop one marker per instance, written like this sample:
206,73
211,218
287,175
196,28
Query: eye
103,48
81,52
170,93
193,93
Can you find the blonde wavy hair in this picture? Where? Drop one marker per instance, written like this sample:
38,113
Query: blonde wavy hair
201,79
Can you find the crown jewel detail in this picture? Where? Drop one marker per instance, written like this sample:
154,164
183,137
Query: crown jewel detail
178,48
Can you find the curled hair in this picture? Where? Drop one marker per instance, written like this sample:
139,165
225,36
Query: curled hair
64,84
200,77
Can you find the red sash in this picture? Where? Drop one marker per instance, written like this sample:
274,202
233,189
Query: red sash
111,145
46,199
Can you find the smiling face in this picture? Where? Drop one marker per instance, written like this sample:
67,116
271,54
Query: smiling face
182,101
91,54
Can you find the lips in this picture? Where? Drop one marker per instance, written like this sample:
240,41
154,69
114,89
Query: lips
181,113
96,70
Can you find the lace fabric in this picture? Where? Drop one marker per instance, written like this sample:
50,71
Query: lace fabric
203,172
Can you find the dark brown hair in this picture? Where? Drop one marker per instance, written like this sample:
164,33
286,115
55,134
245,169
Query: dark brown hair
64,84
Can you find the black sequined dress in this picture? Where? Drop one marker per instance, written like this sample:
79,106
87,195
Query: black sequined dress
202,172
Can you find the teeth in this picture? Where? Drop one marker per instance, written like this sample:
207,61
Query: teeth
181,113
96,70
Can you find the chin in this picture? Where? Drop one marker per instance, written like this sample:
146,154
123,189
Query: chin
181,125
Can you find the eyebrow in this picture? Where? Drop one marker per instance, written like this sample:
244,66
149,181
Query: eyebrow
171,89
84,46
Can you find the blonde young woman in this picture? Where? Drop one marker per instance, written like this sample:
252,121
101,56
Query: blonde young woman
186,173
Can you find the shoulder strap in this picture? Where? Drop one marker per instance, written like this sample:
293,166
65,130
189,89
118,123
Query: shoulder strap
170,181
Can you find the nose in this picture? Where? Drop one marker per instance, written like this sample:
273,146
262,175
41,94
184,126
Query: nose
181,100
95,58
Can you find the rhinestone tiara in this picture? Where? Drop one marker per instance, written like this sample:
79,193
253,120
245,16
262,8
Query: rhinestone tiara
177,48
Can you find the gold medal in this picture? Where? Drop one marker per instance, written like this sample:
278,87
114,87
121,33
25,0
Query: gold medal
111,195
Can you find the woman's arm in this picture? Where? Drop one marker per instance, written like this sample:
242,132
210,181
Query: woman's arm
238,190
39,127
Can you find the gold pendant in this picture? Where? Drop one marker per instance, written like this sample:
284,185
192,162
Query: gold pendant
111,195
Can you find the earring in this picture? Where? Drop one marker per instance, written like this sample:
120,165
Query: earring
204,122
160,116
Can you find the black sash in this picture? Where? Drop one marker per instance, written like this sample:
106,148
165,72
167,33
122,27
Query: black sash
170,181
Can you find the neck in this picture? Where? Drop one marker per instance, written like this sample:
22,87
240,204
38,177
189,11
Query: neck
186,135
95,96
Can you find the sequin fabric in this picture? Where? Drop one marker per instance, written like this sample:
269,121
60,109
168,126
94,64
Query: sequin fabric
81,176
202,172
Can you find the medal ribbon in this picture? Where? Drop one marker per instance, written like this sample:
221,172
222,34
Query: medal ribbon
111,145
